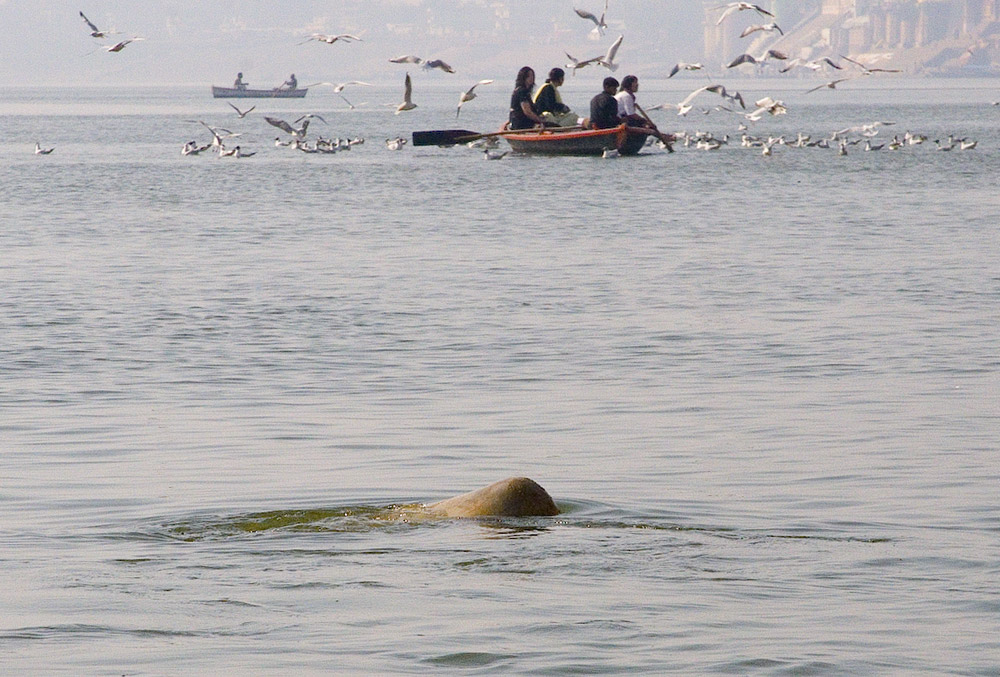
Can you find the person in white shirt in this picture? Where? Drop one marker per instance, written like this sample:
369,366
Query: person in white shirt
629,111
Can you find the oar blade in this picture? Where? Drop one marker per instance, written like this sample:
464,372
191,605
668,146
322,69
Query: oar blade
443,137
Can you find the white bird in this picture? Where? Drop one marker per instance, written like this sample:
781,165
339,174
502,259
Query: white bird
407,96
829,85
610,153
95,32
218,134
842,150
339,87
235,153
685,106
437,63
407,59
608,61
42,151
494,156
599,24
119,46
241,113
330,39
192,148
767,28
739,7
865,70
575,64
813,65
967,144
469,95
767,105
278,143
760,60
396,143
682,66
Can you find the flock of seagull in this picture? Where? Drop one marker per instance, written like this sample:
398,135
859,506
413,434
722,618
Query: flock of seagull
734,102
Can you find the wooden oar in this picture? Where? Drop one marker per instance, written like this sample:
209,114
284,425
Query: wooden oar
451,137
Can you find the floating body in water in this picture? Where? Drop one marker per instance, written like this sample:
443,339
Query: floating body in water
512,497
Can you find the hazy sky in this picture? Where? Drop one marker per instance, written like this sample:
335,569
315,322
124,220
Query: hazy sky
187,42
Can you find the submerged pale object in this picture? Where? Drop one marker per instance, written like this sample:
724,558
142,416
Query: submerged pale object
512,497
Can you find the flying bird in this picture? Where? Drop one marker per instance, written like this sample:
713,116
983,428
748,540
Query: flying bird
685,67
739,7
767,28
865,70
42,151
608,61
409,58
339,87
298,133
599,24
407,96
330,39
241,113
469,95
814,65
95,32
749,58
685,106
829,85
117,47
437,63
575,64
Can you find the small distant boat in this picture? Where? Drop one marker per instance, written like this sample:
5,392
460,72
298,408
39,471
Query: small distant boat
246,93
626,140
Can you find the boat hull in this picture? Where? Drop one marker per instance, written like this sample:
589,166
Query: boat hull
234,93
626,140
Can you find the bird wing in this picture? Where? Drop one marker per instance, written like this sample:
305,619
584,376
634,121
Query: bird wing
406,59
690,97
742,59
613,49
584,14
90,23
829,61
751,29
761,10
729,10
280,124
408,89
775,54
674,71
348,37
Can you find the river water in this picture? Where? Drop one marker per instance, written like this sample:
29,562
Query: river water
762,390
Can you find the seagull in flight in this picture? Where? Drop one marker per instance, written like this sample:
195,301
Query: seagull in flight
685,106
575,64
599,24
42,151
117,47
767,28
241,113
330,39
95,32
409,58
298,133
739,7
407,96
218,134
813,65
682,66
749,58
830,85
608,61
766,105
339,87
469,95
865,70
437,63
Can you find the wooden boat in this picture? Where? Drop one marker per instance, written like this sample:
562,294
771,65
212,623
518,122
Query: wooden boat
276,93
626,140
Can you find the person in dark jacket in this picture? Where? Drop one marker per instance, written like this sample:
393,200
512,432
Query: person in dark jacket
604,107
549,104
522,109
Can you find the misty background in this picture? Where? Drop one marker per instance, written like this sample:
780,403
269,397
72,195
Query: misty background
45,42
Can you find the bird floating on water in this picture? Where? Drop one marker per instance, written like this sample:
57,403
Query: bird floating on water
396,143
42,151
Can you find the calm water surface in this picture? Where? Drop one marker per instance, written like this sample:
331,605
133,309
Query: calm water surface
764,391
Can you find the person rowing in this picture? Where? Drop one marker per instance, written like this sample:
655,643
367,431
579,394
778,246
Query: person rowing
629,111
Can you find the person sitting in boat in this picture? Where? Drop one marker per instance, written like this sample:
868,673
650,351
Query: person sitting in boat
290,83
604,106
522,109
239,84
549,104
628,110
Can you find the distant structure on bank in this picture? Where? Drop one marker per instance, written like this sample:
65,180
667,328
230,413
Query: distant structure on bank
922,37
